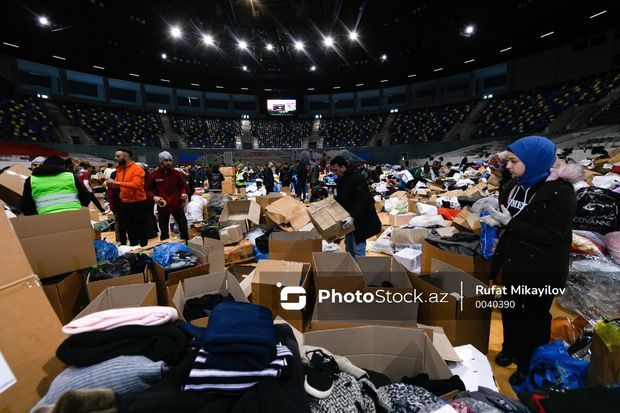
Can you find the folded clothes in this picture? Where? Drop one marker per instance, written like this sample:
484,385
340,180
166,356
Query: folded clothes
118,317
203,306
166,342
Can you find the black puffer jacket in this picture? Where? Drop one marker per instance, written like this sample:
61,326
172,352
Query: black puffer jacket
354,196
534,249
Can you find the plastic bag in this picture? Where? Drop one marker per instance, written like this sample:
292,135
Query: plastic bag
609,181
124,265
488,238
582,245
162,254
612,241
103,226
105,251
329,247
599,240
426,221
195,209
597,210
485,204
384,243
551,368
215,205
259,255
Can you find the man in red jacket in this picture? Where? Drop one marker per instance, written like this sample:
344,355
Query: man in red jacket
167,188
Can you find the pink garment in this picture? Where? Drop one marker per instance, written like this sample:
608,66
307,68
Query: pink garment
118,317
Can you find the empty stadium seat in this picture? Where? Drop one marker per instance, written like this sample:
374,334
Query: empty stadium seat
350,131
25,119
206,132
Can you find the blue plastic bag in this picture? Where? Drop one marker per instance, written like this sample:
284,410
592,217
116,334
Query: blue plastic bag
258,255
552,368
162,254
105,251
488,238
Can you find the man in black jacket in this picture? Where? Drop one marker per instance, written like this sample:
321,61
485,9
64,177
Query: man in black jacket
268,180
355,198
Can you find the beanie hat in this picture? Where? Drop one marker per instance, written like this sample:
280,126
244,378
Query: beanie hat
38,159
164,155
538,154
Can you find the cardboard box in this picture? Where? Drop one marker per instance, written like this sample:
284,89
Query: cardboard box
294,246
244,212
164,279
464,320
223,283
476,266
337,270
209,251
12,184
228,186
15,264
265,200
467,220
409,258
242,252
397,220
241,271
67,295
122,296
604,363
286,190
231,234
94,288
57,243
393,351
269,278
227,171
327,216
379,206
408,238
287,213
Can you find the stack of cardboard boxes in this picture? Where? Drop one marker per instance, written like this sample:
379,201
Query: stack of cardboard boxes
228,186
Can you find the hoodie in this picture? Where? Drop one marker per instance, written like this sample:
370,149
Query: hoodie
27,205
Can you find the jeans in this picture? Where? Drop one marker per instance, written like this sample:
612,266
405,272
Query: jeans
356,250
164,222
300,190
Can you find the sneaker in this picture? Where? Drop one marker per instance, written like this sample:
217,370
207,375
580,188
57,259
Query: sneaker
504,359
517,378
320,374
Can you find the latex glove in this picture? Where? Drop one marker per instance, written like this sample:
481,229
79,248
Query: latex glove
502,217
489,220
347,223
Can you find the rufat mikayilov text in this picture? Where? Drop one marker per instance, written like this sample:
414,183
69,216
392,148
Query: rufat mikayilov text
520,290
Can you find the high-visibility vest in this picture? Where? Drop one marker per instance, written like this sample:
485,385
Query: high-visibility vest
55,193
240,178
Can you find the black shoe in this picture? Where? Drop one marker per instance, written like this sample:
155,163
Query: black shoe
504,359
517,378
320,374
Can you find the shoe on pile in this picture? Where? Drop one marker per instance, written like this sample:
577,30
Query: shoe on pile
320,374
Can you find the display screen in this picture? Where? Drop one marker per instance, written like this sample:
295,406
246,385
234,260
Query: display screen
281,107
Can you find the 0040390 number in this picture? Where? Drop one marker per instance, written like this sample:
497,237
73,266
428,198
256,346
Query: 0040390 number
495,304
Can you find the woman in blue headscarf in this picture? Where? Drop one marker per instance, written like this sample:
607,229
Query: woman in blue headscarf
536,211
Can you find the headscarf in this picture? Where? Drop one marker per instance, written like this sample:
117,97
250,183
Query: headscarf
538,154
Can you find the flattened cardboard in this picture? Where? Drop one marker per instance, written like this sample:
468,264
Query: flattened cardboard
209,251
476,265
94,288
408,238
231,234
327,216
294,246
288,213
13,260
31,333
223,283
243,212
337,270
463,320
393,351
265,200
57,243
124,296
67,295
164,279
12,184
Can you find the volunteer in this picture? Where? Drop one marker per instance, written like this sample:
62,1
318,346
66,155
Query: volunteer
353,195
167,188
51,189
215,179
240,178
84,177
268,180
536,212
133,207
36,162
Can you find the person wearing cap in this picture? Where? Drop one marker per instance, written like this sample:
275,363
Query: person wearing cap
133,208
36,162
51,189
167,188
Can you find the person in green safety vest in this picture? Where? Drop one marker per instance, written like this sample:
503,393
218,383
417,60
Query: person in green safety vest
240,176
51,189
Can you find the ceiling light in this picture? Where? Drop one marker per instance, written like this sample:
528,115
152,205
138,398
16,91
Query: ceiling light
310,88
269,47
360,84
312,68
165,80
207,39
98,67
470,29
242,44
164,56
175,31
546,34
384,80
244,68
383,57
506,49
267,90
353,35
299,45
336,87
413,75
438,69
44,21
244,88
598,14
134,75
10,45
195,84
470,60
219,87
328,41
59,57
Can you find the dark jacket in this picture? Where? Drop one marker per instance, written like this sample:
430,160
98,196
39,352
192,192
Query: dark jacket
268,180
302,173
534,249
167,183
285,176
354,196
27,205
314,174
215,180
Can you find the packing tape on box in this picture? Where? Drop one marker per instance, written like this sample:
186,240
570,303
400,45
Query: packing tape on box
17,174
29,278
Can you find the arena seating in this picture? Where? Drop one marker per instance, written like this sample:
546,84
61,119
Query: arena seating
206,132
113,126
280,133
427,124
25,119
608,115
349,131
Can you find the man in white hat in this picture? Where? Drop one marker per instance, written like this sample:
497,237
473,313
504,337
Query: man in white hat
36,162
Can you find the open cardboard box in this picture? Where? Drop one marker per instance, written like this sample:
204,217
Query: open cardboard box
336,270
240,271
243,212
67,295
287,213
408,238
209,251
265,200
94,288
238,253
398,220
231,234
477,265
57,243
12,184
124,296
327,216
294,246
466,320
222,283
164,279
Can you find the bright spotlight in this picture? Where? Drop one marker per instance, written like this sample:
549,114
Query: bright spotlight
244,68
208,39
175,31
328,41
242,44
470,29
164,56
299,45
312,68
269,47
353,35
383,57
44,21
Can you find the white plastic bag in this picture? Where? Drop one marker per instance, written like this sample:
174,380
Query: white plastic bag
426,221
